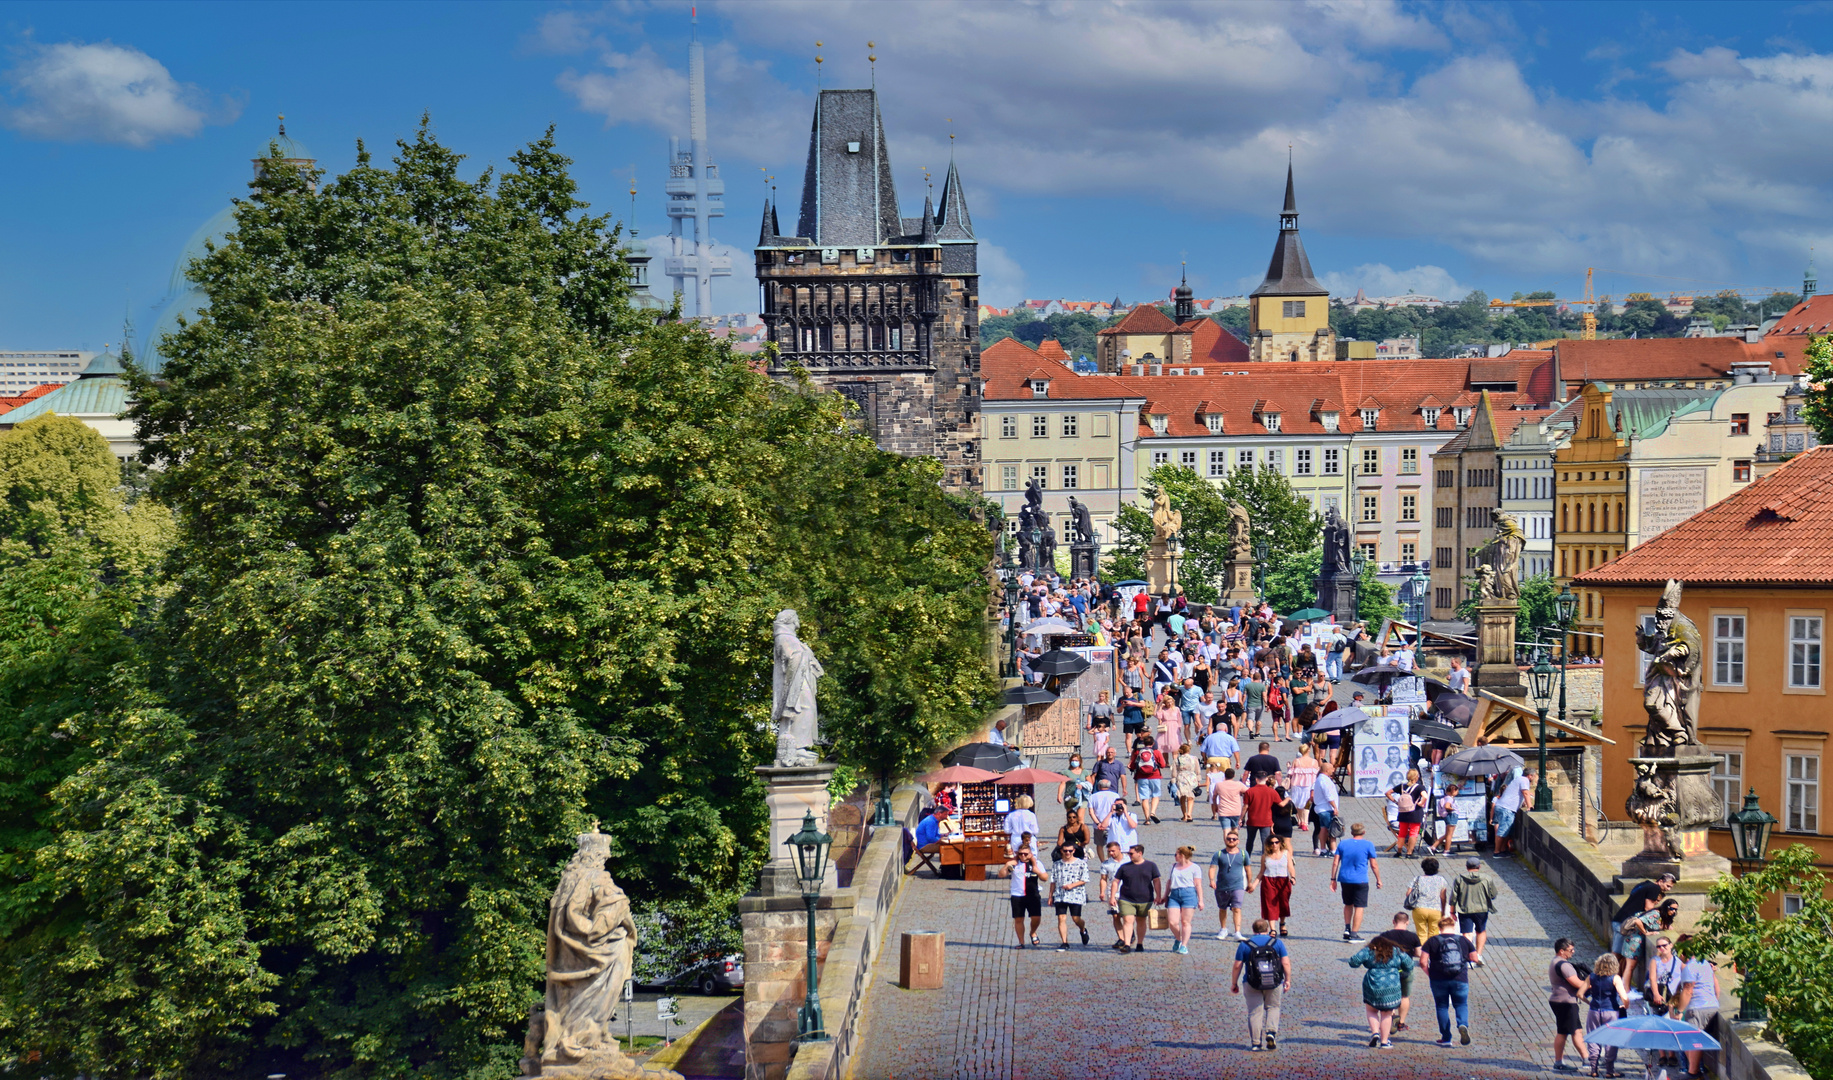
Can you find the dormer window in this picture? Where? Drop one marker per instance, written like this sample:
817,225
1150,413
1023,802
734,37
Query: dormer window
1328,419
1431,416
1369,418
1462,416
1271,420
1159,422
1213,421
1040,388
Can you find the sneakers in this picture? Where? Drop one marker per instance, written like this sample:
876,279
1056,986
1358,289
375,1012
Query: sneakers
1374,1041
1122,948
1085,935
1118,945
1442,1042
1223,936
1386,1045
1354,939
1463,1033
1560,1066
1063,947
1181,949
1272,1043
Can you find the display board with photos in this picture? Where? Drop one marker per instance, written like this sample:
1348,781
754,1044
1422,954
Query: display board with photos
1381,746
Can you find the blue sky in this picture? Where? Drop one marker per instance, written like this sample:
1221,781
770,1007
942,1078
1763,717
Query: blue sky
1438,147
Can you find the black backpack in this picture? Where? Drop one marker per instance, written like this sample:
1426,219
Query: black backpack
1262,969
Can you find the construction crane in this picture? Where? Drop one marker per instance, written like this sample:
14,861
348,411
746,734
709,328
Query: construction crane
1588,320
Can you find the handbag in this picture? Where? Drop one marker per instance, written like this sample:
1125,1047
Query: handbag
1336,826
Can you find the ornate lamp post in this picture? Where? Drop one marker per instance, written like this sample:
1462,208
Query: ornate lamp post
810,847
1009,577
1260,564
1540,678
1565,607
1750,838
1420,584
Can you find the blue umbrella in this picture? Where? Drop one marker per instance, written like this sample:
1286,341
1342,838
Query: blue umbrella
1651,1033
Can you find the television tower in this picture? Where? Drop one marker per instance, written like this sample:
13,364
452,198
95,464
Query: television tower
695,193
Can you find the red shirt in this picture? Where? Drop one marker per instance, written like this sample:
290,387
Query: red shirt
1146,764
1140,602
1259,801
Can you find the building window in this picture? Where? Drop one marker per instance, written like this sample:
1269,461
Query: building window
1728,650
1333,461
1008,477
1161,457
1040,427
1368,550
1728,782
1409,460
1802,797
1740,472
1371,461
1462,416
1369,418
1441,598
1187,458
1040,388
1041,473
1328,419
1441,556
1070,425
1409,508
1244,459
1447,478
1271,420
1792,904
1292,309
1804,634
1740,423
1371,508
1431,413
1409,551
1213,421
1008,427
1070,475
1276,460
1218,463
1301,460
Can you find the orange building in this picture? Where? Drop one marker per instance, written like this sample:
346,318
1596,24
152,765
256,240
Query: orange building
1758,574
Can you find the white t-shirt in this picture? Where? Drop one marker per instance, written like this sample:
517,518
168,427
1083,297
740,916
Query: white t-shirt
1324,791
1182,877
1459,679
1119,832
1019,822
1511,796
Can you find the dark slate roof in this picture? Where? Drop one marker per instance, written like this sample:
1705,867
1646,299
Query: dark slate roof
848,198
953,222
1289,271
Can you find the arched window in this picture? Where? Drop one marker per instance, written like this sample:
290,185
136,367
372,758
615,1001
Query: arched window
1564,525
1593,516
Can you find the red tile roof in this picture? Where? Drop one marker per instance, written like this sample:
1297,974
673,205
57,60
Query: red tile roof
1679,359
11,402
1144,319
1211,343
1776,531
1008,366
1812,316
1053,349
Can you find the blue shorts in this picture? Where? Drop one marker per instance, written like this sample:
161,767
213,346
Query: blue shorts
1150,788
1231,821
1182,898
1505,822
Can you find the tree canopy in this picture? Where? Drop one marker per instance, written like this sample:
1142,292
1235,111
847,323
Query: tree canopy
469,557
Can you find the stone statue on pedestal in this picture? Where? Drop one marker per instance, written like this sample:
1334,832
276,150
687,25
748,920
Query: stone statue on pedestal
1336,545
1671,693
1240,542
1502,558
1026,550
1083,523
792,704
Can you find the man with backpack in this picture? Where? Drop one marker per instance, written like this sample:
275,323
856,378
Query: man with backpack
1264,967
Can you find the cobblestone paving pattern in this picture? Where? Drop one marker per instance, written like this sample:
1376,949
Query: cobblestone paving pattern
1035,1013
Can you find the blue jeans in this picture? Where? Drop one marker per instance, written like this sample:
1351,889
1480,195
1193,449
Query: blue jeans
1446,994
1333,666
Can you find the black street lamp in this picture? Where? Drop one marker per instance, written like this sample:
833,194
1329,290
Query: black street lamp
1540,678
1565,608
1009,577
810,846
1750,843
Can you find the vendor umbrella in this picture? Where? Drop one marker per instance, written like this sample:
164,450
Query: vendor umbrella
1060,662
1032,776
1048,626
1381,676
959,774
1427,728
984,756
1029,695
1651,1033
1481,761
1309,613
1454,707
1340,720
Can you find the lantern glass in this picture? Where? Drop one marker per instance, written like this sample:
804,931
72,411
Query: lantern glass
810,847
1567,604
1541,677
1750,829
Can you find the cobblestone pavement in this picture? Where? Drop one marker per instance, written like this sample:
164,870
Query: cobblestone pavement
1032,1013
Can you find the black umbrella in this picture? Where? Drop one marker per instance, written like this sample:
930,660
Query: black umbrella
1060,662
1029,694
1481,761
982,755
1454,707
1427,728
1340,720
1381,675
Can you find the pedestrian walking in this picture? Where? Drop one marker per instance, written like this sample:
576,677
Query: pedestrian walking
1404,940
1505,808
1264,967
1409,799
1226,798
1148,780
1606,1000
1069,890
1275,883
1074,830
1285,815
1228,877
1690,989
1183,899
1022,821
1447,817
1120,826
1111,771
1027,876
1350,871
1324,810
1110,887
1301,779
1447,956
1101,722
1187,777
1428,897
1565,990
1473,896
1381,987
1257,810
1139,887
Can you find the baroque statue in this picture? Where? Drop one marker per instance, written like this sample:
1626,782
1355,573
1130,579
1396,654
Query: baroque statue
1671,693
1166,522
1240,543
1336,544
1502,556
1034,499
1079,518
591,944
1047,548
792,703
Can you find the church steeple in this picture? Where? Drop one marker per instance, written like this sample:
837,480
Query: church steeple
1289,314
768,232
953,222
1289,271
1288,218
1183,301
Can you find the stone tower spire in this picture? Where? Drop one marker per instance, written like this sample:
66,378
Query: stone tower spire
1289,314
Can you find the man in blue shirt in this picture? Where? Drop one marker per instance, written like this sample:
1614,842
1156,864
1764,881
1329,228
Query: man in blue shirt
929,830
1266,981
1352,867
1220,744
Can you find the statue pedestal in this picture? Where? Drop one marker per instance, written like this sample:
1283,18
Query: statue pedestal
1085,560
1675,804
1496,669
791,793
1161,576
1338,593
1238,583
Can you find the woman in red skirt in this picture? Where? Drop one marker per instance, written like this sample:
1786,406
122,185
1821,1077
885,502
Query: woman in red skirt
1275,882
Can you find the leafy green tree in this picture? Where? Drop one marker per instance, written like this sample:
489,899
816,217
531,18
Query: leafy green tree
1786,963
1375,598
1203,554
1778,303
1278,515
1817,407
1291,582
470,556
1126,560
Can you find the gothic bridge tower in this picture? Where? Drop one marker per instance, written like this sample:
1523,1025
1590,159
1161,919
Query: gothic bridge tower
881,308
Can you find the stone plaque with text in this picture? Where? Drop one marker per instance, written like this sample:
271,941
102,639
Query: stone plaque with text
1669,496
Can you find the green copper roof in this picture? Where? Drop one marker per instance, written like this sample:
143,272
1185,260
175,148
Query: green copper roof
102,396
1645,413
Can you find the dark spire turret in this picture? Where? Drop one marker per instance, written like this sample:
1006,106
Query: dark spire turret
1289,271
929,220
1183,300
768,232
954,223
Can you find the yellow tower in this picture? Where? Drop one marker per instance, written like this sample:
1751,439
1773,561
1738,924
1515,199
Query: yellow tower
1289,314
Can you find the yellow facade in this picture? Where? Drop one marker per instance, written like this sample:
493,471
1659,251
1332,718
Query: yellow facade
1291,328
1591,488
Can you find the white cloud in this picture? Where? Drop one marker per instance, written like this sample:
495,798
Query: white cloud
1002,279
1380,279
103,92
